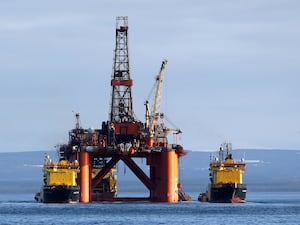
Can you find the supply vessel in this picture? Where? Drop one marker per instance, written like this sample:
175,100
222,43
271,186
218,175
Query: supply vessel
226,178
60,182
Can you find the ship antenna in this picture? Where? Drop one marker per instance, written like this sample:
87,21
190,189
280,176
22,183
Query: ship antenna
221,152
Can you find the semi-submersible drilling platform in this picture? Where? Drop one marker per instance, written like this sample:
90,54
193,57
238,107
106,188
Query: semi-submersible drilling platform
123,137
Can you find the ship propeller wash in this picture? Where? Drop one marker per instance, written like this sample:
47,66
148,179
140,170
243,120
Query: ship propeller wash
226,178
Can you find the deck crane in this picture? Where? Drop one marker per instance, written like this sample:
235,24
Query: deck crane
153,116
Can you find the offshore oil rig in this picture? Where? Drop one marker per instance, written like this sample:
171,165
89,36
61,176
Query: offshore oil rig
123,137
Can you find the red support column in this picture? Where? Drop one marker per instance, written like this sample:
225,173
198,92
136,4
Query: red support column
85,185
170,162
164,175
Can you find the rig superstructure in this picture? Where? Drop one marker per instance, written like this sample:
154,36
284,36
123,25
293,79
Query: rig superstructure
123,137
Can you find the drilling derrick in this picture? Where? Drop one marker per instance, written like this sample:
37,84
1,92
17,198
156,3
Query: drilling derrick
122,119
121,102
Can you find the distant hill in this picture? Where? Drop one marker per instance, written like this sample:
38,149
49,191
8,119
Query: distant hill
267,170
21,172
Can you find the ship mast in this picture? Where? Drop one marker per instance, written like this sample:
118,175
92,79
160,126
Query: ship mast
225,150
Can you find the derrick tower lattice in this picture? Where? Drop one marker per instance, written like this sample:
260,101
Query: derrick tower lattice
121,97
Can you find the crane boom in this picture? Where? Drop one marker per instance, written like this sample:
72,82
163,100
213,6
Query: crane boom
155,114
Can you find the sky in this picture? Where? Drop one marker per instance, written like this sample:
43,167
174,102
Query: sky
233,71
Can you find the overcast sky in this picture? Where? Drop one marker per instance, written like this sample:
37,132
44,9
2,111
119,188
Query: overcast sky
233,70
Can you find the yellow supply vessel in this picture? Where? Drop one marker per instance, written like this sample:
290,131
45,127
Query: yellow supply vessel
226,178
60,182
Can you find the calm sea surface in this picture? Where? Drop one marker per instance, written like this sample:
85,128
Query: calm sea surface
261,208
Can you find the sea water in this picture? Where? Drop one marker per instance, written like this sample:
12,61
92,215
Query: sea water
261,208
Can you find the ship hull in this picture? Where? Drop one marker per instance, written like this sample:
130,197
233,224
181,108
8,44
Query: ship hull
60,194
228,193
